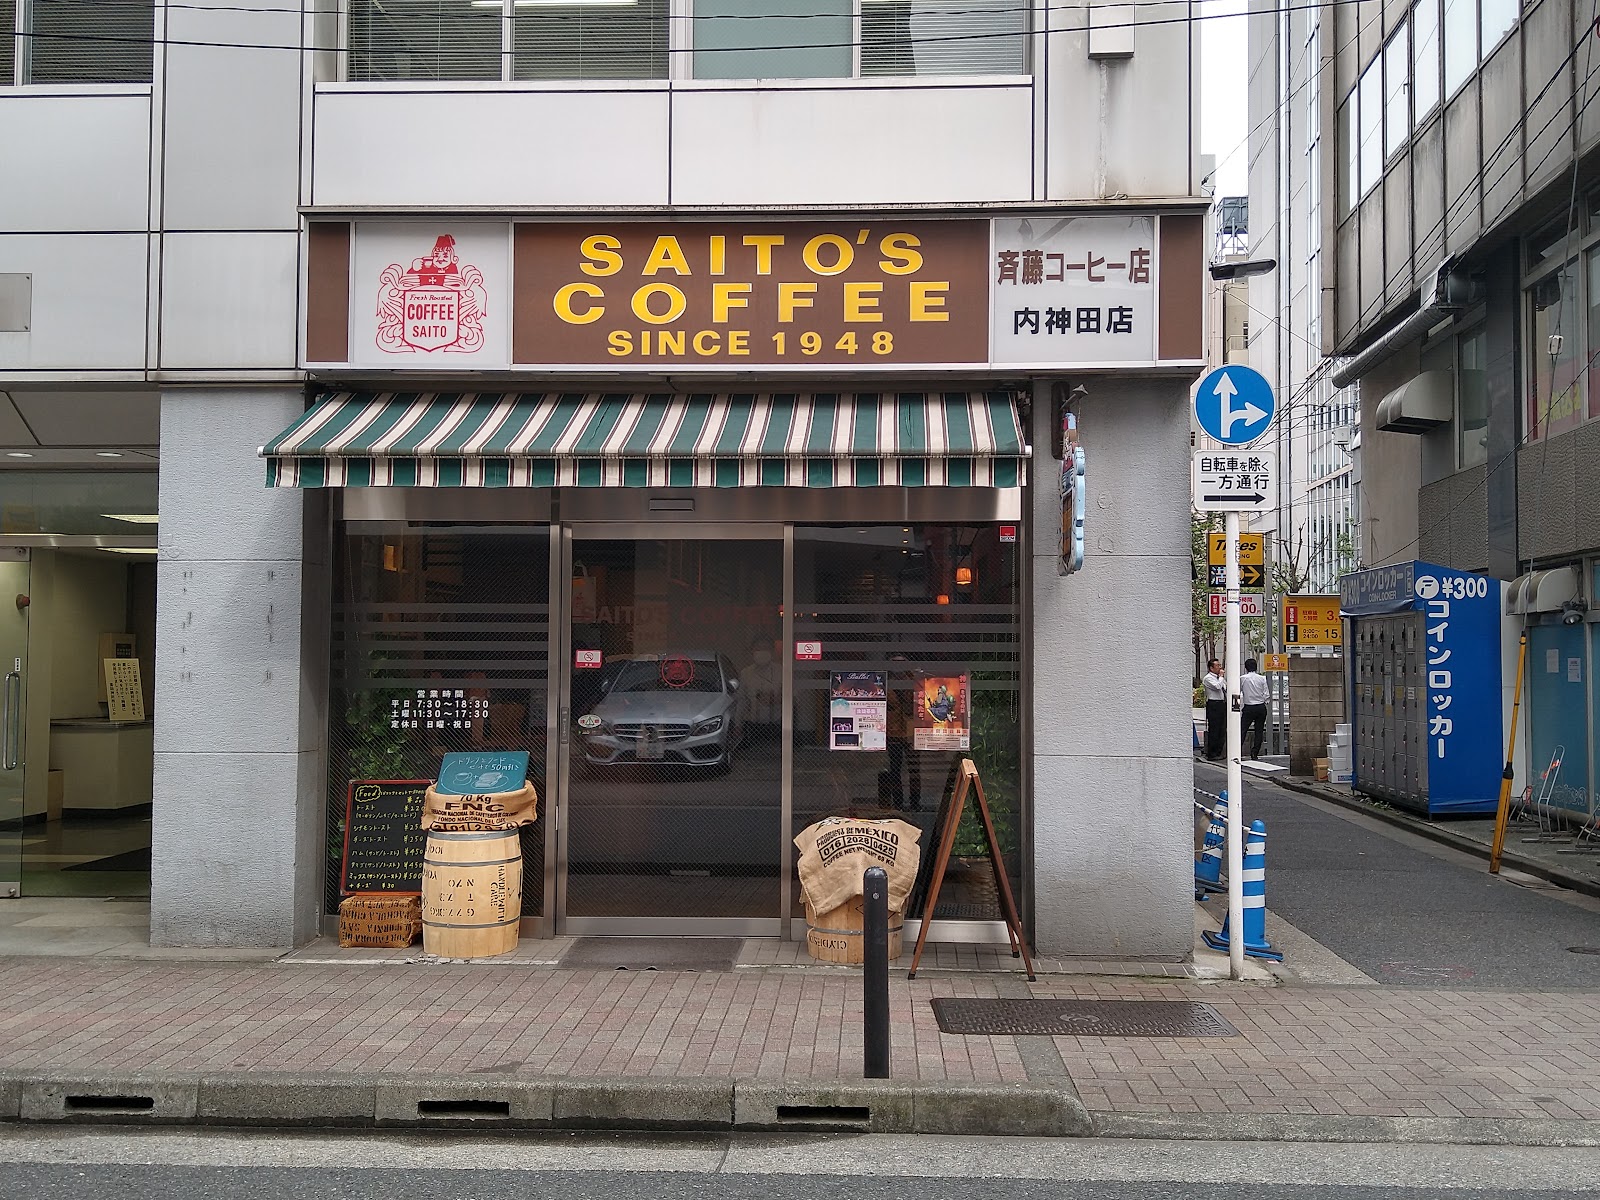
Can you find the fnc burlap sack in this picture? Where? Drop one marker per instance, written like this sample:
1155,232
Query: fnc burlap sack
491,811
837,850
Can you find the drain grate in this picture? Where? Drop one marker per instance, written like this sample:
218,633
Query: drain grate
653,953
1081,1018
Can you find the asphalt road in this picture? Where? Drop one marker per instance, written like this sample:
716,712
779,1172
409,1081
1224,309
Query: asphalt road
57,1164
1405,910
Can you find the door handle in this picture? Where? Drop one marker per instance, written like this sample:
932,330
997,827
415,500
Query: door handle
11,734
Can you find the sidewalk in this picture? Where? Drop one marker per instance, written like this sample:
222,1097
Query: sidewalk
776,1046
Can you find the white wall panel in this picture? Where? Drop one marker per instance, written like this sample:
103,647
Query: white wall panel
381,149
232,119
865,144
1121,127
74,163
88,301
229,300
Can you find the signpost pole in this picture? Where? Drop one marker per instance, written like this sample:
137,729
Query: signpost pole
1235,756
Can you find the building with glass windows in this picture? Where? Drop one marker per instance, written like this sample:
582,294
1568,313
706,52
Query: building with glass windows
608,382
1458,276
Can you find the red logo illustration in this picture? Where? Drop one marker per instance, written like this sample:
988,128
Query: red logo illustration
439,304
677,671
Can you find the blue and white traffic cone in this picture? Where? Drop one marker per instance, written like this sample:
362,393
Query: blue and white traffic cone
1208,867
1254,880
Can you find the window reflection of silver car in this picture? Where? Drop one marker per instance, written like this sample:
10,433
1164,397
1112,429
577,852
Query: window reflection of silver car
670,708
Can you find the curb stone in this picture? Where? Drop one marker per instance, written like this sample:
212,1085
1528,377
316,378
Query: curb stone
334,1101
284,1098
123,1098
1273,1127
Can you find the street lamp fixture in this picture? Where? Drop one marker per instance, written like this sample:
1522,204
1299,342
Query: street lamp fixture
1223,271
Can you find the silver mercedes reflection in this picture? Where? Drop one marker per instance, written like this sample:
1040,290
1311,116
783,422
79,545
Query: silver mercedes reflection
666,708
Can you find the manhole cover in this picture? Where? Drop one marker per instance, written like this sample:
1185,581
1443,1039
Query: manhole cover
1583,949
1083,1018
652,954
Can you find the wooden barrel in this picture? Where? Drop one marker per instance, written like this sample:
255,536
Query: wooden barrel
471,893
835,935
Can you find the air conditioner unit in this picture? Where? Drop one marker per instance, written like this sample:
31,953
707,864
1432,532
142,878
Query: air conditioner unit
1542,591
1423,403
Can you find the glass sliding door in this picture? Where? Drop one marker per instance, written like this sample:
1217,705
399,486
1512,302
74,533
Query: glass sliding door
14,571
673,805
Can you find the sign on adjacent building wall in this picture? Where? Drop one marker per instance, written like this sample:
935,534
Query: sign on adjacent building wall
865,295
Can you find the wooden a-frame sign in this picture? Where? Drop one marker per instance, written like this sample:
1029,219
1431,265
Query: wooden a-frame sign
965,781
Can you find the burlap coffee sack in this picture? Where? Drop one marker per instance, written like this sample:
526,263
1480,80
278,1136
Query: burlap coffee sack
495,810
837,850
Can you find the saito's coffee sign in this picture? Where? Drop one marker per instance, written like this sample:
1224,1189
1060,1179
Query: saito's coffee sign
618,296
836,295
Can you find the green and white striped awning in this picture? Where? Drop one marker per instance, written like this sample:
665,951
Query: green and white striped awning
612,439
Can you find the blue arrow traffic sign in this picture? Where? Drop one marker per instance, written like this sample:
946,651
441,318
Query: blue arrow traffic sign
1234,405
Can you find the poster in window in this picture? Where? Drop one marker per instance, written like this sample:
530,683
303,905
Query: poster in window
941,718
858,711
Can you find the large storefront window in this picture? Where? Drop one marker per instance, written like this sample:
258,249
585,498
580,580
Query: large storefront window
440,644
666,778
915,603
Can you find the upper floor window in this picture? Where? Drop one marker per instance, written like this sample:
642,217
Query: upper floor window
1460,43
1396,97
77,41
1561,293
1424,58
720,39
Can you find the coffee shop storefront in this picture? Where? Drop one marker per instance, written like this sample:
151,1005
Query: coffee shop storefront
633,497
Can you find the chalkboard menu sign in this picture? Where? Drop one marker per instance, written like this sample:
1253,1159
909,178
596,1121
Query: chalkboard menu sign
383,836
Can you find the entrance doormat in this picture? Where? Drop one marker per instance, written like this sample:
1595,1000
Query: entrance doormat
653,953
133,860
1081,1018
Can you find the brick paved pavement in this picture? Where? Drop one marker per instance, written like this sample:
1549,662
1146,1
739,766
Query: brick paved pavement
1318,1051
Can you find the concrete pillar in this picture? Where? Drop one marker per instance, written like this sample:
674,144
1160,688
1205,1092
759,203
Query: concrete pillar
240,728
1112,761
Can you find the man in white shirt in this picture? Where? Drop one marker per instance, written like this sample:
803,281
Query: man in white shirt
1216,688
1256,694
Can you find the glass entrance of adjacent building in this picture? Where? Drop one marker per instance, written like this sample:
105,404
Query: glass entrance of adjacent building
672,809
13,718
